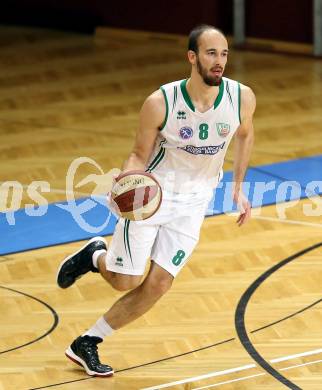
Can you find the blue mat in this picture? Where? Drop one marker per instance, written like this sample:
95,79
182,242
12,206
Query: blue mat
273,183
60,223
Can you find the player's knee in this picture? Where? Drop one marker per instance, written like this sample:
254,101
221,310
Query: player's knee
125,283
159,286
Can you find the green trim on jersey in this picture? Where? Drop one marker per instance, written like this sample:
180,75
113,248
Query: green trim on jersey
175,95
239,103
220,94
166,108
158,158
183,86
229,95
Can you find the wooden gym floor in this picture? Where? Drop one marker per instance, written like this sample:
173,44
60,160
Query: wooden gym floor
64,96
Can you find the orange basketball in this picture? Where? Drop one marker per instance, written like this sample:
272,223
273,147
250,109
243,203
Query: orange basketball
137,195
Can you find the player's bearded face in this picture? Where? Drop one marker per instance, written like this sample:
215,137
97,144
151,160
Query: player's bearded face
212,76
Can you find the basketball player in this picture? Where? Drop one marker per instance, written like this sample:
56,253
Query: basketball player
184,132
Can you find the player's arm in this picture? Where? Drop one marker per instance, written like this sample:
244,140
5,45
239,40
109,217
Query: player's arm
152,116
244,139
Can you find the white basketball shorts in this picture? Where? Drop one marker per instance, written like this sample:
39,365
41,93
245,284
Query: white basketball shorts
168,237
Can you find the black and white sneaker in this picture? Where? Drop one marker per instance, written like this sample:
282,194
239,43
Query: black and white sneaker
83,351
79,263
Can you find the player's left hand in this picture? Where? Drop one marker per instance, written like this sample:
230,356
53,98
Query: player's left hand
244,207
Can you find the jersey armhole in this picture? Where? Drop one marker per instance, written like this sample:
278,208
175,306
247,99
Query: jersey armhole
166,109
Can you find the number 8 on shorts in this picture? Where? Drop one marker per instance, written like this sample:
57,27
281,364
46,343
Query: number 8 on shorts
177,259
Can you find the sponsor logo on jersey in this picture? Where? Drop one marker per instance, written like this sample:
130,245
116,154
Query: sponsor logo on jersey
207,150
181,115
186,132
223,129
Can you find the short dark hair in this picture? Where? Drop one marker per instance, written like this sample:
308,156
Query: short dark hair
195,33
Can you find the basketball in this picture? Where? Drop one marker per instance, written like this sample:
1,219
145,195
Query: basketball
137,195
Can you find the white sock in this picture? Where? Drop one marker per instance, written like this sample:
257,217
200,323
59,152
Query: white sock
96,255
100,329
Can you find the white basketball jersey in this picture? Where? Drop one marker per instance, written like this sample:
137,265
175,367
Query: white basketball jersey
191,146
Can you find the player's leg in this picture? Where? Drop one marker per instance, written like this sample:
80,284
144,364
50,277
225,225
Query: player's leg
123,266
80,262
114,264
172,247
132,243
91,257
120,282
129,307
139,300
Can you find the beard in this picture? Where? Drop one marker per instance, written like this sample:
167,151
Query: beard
212,81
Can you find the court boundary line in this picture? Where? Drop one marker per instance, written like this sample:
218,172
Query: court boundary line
232,370
253,376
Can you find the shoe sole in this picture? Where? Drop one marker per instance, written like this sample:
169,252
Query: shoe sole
76,359
75,253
